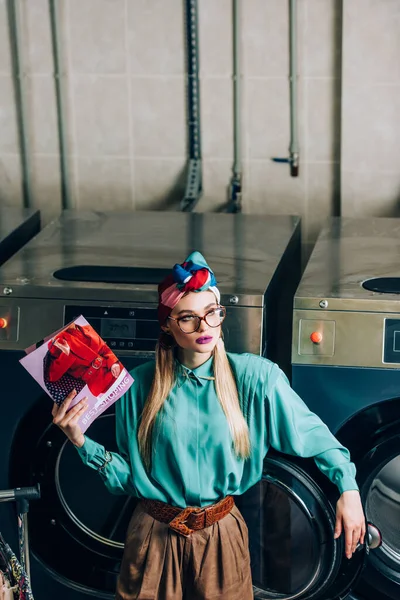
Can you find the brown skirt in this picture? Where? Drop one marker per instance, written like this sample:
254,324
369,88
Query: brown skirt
159,564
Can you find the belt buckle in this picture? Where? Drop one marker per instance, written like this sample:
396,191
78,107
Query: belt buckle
178,523
97,361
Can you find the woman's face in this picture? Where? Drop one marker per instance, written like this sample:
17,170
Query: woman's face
205,338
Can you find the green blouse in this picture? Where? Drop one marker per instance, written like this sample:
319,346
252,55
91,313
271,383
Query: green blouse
193,461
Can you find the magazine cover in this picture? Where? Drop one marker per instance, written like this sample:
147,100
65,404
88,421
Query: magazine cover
76,357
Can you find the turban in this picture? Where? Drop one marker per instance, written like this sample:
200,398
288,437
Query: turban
193,275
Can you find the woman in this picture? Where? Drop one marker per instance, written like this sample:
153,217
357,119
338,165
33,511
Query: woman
192,434
81,353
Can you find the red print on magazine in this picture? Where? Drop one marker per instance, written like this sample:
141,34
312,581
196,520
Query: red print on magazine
77,358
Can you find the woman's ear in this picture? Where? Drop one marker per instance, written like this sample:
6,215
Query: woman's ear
165,329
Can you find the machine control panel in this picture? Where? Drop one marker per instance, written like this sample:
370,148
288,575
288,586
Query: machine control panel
9,323
132,329
316,337
391,347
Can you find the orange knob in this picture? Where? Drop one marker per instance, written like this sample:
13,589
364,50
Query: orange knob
316,337
3,323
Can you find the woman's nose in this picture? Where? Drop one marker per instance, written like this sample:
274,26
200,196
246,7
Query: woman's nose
203,325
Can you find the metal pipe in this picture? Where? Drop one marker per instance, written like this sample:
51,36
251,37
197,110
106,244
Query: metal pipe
60,96
294,138
235,196
19,79
24,544
337,116
194,177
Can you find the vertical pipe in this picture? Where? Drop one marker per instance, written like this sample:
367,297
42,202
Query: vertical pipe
337,118
20,91
236,181
193,79
237,99
60,101
294,139
194,177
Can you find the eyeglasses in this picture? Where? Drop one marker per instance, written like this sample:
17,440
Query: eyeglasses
191,323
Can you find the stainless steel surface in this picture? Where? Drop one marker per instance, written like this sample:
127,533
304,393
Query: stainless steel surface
348,252
32,319
244,257
244,251
331,300
7,495
349,338
326,329
374,537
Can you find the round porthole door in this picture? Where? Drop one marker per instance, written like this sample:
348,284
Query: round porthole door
379,478
77,529
291,521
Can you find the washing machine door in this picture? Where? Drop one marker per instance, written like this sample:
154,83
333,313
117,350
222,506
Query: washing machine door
291,521
379,479
77,528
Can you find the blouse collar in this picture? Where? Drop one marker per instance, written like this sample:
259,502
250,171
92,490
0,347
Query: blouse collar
201,374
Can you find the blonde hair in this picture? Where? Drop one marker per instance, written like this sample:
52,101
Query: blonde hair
227,393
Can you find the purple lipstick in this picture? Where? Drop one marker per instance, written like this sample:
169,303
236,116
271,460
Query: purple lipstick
205,339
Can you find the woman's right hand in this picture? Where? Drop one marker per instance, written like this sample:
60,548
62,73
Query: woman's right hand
68,422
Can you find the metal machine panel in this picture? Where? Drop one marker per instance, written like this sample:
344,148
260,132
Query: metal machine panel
93,261
245,251
347,338
349,252
332,303
28,320
346,368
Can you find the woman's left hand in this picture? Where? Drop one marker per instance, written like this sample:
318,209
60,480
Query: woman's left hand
350,517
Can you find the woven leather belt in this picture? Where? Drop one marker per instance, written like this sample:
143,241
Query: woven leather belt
192,518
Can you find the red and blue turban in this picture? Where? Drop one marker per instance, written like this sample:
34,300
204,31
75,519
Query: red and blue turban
193,275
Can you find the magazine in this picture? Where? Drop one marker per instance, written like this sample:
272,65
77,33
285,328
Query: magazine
76,357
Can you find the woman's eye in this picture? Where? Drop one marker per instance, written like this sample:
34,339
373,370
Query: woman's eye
211,313
187,319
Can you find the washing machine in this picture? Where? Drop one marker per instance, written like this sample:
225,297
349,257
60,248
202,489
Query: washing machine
346,366
106,267
17,227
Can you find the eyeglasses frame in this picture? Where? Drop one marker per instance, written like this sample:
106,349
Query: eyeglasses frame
201,319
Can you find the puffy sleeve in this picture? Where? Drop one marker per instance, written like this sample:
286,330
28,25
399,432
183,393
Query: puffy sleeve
59,362
117,475
293,429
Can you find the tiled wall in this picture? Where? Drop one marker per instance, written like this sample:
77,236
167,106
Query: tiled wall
126,108
371,108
